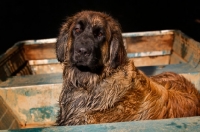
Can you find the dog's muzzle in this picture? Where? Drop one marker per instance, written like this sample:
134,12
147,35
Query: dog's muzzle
82,55
83,51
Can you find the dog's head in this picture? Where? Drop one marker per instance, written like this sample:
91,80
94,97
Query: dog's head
91,40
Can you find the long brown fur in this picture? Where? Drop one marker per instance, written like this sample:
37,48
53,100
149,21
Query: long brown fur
120,92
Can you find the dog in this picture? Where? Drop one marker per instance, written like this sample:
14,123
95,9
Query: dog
101,85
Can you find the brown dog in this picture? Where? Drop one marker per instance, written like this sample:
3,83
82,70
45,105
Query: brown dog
101,85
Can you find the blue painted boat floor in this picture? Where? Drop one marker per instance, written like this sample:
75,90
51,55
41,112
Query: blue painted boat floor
190,124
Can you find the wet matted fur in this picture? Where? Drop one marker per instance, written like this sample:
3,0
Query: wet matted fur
100,84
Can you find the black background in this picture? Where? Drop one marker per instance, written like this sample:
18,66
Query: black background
25,20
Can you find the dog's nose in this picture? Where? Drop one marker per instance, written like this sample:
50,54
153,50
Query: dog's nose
84,51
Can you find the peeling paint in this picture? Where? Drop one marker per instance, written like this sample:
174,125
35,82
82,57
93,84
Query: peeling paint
43,113
40,114
28,92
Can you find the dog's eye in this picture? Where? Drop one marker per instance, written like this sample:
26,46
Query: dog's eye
78,30
98,34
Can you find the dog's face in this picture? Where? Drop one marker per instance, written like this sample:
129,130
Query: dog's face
90,41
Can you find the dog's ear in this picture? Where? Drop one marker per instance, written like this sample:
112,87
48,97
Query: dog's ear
117,49
61,43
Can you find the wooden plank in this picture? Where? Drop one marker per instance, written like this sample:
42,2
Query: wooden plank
187,48
151,61
149,53
176,59
44,61
7,118
12,63
148,43
191,124
33,99
40,51
34,104
27,80
47,68
148,33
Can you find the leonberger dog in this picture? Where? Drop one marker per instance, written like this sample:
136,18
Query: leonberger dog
101,85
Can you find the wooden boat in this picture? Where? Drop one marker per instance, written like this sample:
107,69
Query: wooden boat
31,81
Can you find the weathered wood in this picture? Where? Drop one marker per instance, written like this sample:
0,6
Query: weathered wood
149,54
187,48
148,33
151,61
156,43
40,79
176,59
40,51
47,68
35,105
34,98
43,61
148,43
8,119
191,124
13,63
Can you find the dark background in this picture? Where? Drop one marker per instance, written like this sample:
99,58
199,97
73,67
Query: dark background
25,20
